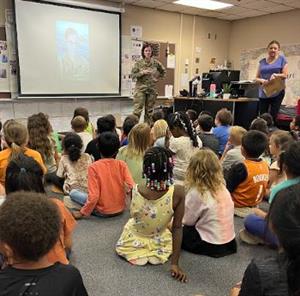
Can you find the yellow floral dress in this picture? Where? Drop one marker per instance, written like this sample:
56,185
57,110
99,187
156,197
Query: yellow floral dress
146,236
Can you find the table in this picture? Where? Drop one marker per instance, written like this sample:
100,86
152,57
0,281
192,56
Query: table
244,110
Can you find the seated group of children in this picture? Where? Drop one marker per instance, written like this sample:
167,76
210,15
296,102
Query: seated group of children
184,179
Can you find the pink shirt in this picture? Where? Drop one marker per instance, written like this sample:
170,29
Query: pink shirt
108,180
211,216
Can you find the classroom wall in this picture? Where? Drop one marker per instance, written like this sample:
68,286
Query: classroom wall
186,31
257,32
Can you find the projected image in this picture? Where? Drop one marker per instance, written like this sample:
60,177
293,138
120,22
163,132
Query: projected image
73,50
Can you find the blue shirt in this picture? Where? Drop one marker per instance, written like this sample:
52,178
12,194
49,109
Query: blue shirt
282,185
266,70
124,142
222,133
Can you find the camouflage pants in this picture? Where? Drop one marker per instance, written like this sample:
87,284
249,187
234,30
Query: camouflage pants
141,99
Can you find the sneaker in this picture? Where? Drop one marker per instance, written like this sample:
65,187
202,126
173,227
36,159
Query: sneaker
243,212
70,204
250,239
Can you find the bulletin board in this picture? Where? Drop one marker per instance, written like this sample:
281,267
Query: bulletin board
165,49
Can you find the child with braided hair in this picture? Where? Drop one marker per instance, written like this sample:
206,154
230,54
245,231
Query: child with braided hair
183,143
146,237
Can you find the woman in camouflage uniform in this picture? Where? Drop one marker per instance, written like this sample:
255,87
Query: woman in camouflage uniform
146,72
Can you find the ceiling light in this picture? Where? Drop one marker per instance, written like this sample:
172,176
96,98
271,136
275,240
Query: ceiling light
204,4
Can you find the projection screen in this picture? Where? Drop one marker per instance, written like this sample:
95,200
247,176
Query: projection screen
64,50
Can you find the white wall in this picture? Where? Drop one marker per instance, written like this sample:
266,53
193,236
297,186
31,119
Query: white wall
257,32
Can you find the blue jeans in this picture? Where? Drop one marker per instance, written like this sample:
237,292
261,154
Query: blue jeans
258,226
78,196
81,198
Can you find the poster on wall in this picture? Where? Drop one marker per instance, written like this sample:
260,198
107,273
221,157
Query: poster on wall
12,52
251,58
4,67
136,32
131,52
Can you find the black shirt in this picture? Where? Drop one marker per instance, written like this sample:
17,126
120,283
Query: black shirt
235,176
55,280
92,149
210,141
267,277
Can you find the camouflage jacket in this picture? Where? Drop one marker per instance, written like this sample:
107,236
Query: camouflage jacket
146,82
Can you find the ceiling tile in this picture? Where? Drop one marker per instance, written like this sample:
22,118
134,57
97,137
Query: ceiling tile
235,10
172,7
278,1
252,13
256,4
149,3
236,2
276,8
241,9
231,17
294,3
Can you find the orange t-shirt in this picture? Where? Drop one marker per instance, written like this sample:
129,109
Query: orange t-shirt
106,186
4,157
58,253
251,191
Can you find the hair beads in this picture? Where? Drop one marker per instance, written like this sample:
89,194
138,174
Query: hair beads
158,168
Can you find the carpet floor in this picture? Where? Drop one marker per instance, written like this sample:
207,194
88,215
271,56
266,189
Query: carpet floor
104,273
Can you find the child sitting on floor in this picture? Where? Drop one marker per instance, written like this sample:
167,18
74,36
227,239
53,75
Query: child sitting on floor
277,275
23,173
279,141
128,124
146,237
256,227
40,139
104,124
247,181
108,181
295,126
223,120
73,165
25,244
79,125
232,153
209,140
208,218
81,111
159,132
16,138
183,143
133,153
193,116
270,122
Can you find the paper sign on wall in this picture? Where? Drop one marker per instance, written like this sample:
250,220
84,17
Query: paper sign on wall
169,90
4,67
184,80
136,32
171,61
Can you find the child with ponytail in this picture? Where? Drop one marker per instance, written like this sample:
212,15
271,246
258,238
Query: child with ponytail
16,138
183,143
146,237
278,275
73,165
